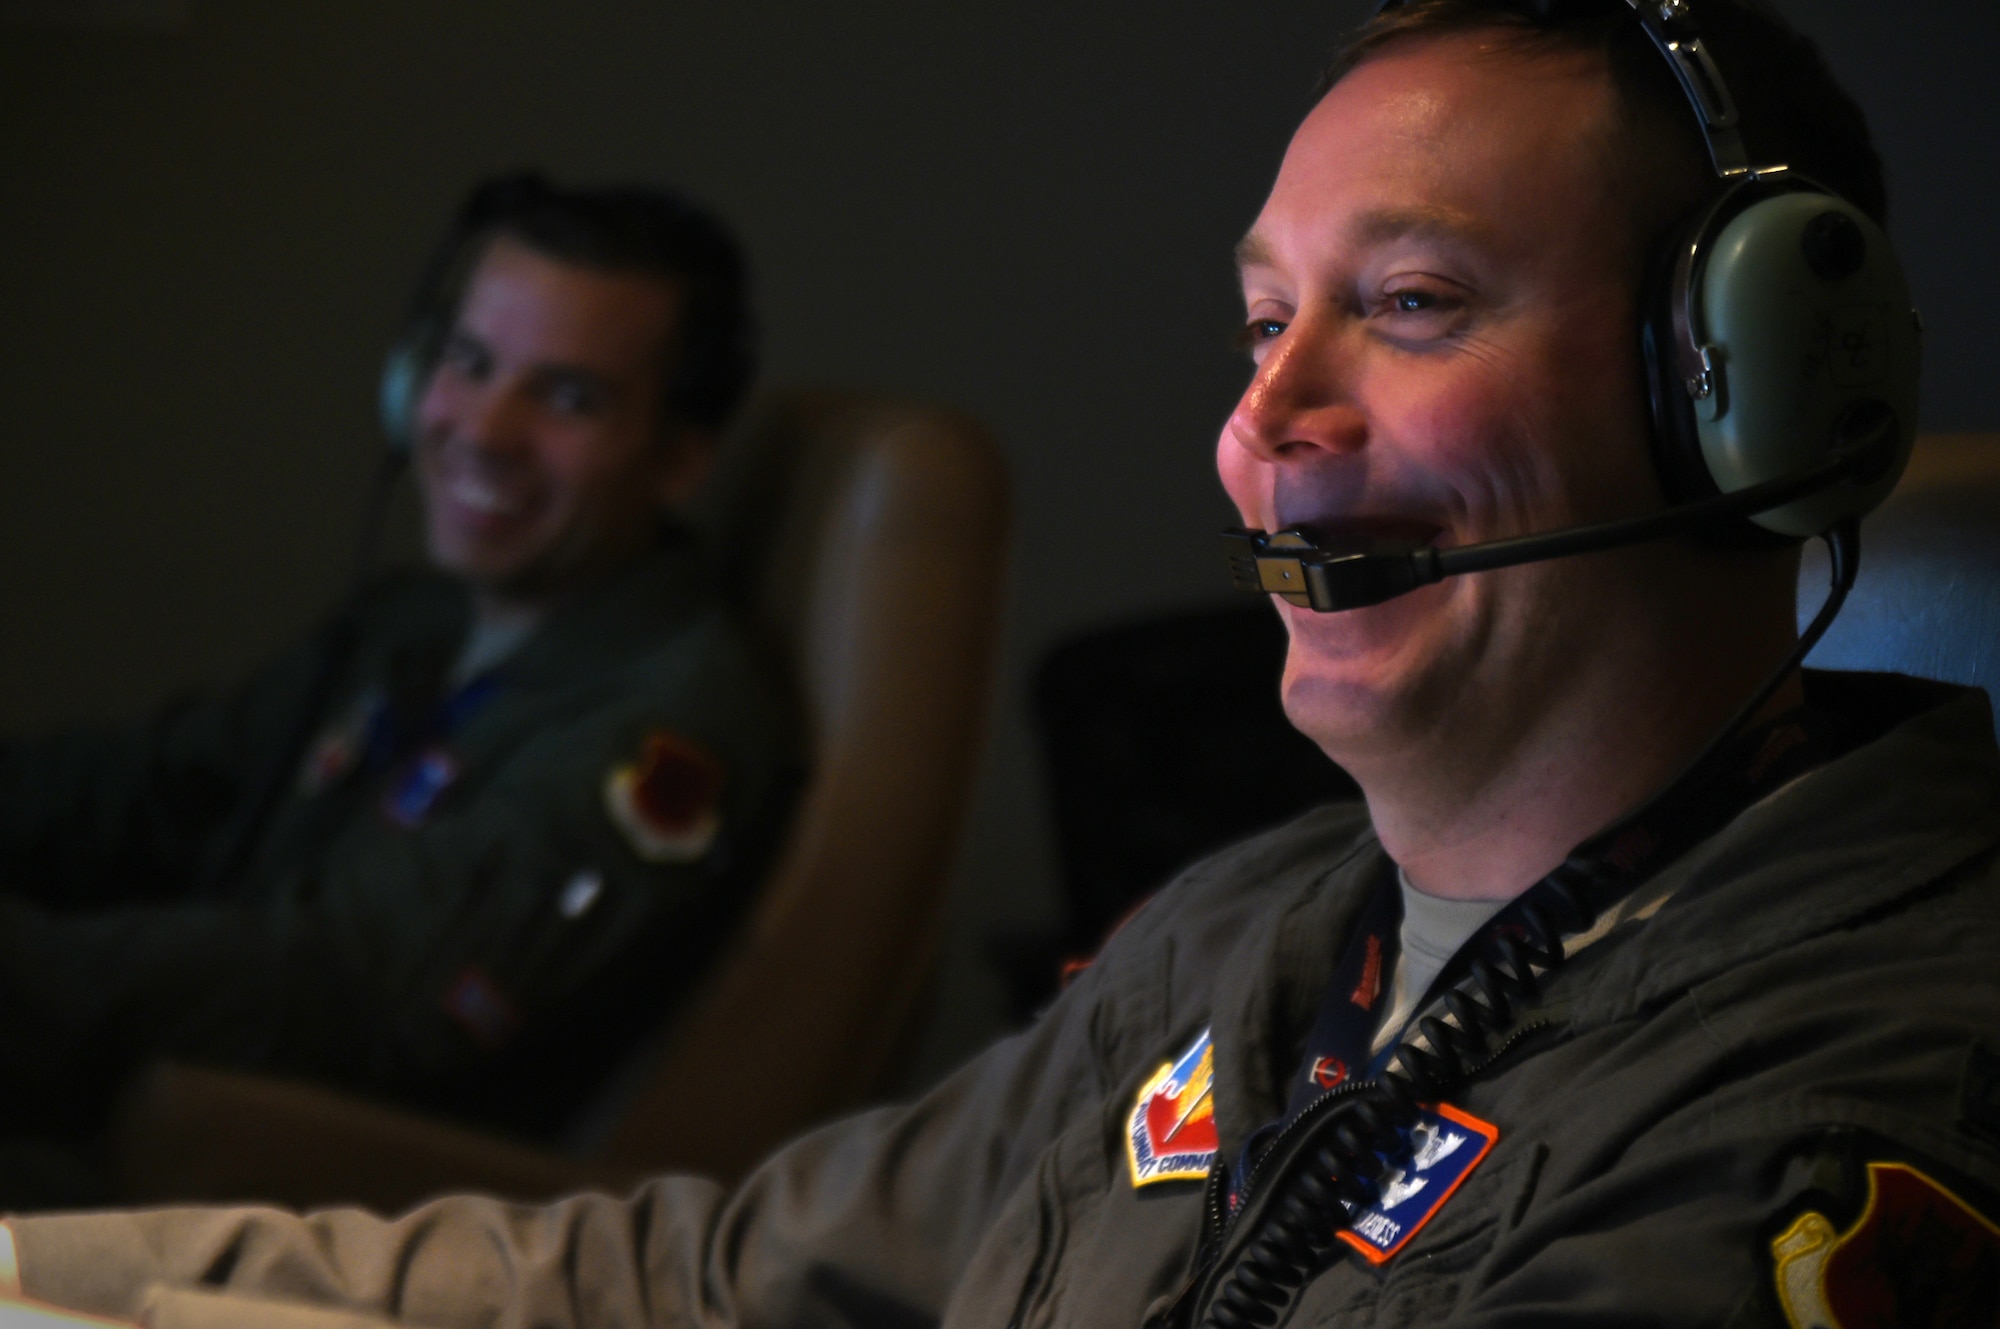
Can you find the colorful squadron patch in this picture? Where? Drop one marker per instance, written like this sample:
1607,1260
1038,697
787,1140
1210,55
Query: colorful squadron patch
1447,1145
418,787
337,750
1917,1255
1171,1133
668,801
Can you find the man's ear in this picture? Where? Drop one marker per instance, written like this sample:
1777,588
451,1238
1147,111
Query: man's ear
686,459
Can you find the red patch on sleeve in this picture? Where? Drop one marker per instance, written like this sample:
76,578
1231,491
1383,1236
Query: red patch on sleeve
667,801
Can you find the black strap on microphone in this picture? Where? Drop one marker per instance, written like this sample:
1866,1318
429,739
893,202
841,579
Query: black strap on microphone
1330,580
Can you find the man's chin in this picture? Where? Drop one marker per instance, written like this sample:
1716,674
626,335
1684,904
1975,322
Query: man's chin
1358,634
500,572
1353,680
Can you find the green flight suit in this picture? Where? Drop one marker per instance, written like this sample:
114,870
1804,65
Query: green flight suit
441,908
1805,997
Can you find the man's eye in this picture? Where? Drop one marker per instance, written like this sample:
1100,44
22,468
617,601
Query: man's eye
465,359
1258,331
572,399
1421,313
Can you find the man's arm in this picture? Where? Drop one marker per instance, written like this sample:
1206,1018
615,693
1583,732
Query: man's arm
870,1220
108,815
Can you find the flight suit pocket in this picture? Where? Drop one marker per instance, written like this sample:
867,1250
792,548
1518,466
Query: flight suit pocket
1424,1281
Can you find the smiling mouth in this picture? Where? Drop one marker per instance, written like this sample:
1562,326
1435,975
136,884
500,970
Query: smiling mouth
489,500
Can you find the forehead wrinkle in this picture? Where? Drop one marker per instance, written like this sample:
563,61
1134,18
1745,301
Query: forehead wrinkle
1382,226
1435,224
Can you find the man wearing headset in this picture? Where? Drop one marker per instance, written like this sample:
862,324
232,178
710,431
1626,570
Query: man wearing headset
464,846
1651,986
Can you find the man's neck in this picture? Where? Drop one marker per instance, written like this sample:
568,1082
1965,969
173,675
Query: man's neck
504,615
1464,829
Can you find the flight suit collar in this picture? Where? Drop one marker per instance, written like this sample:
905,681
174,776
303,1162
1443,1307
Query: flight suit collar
1269,990
1913,800
635,606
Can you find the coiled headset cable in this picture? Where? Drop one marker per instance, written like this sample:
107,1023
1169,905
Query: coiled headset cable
1365,1127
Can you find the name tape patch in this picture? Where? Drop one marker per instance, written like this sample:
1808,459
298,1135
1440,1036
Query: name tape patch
1448,1144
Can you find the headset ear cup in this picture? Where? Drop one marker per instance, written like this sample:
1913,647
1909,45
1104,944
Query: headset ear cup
1683,472
1801,305
1677,452
1757,298
404,371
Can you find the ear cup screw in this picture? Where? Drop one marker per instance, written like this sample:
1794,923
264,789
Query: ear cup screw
1835,247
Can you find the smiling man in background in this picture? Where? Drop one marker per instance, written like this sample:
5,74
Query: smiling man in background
1650,987
464,846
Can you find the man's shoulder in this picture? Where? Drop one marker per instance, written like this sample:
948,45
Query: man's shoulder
1212,901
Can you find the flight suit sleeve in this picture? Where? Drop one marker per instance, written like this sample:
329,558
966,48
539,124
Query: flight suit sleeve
1819,1222
498,954
1843,1157
872,1220
119,815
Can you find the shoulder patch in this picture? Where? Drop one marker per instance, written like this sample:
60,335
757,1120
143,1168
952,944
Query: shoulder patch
668,800
1170,1135
1918,1254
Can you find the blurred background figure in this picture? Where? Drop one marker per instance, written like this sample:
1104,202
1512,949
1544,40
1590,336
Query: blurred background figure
465,843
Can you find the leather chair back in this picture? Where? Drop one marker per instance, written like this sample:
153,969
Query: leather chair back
1927,598
867,539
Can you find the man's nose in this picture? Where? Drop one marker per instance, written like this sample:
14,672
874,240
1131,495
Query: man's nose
494,420
1301,403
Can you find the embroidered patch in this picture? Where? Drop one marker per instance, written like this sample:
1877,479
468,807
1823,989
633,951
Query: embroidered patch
667,802
1369,986
1917,1255
1447,1145
478,1004
1171,1133
338,749
416,790
1328,1072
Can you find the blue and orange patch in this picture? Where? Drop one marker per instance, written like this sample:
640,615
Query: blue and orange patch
1445,1146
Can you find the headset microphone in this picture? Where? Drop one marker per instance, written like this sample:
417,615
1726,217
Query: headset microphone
1290,565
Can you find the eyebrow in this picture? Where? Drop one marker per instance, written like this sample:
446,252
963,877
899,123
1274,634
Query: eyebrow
1378,227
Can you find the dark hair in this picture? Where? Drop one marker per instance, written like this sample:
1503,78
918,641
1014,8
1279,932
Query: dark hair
1794,112
621,228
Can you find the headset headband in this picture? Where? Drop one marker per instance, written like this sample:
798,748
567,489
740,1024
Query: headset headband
1670,26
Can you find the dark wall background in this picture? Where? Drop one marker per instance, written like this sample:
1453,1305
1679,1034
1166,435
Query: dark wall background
210,210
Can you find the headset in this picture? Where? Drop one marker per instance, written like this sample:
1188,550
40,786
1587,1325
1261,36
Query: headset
414,353
1782,357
